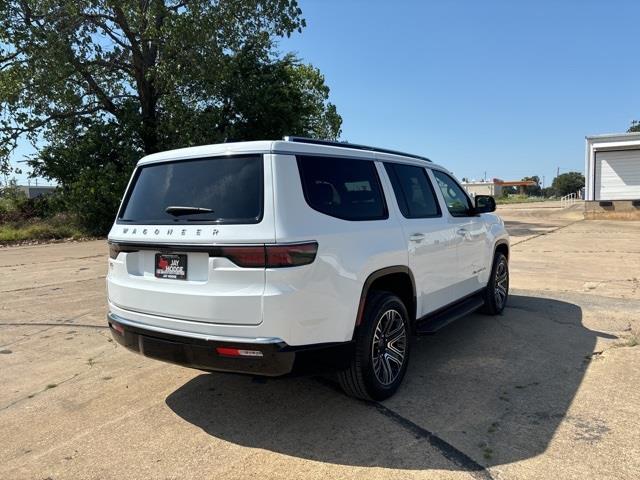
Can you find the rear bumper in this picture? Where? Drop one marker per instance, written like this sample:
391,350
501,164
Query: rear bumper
278,358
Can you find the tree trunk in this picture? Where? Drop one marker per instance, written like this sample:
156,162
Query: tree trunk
144,56
149,131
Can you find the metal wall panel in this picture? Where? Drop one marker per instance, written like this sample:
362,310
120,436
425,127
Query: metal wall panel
617,175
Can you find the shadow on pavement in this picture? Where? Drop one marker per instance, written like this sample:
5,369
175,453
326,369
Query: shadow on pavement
519,229
495,388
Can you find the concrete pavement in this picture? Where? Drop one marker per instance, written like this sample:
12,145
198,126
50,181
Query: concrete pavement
549,389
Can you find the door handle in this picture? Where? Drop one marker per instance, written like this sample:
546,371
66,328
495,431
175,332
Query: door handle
463,232
416,237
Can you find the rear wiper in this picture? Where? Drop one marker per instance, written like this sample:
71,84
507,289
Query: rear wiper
179,210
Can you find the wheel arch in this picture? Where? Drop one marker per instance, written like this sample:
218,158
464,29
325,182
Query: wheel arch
501,246
396,279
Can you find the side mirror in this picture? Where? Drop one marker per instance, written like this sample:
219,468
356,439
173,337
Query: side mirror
484,204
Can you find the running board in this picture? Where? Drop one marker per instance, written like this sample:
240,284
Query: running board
440,319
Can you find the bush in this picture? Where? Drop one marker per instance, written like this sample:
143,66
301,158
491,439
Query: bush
15,206
87,205
12,200
92,170
40,218
94,198
54,228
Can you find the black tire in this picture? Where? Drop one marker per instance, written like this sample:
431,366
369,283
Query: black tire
374,373
497,292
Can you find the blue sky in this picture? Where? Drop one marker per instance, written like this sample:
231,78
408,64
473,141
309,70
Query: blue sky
509,88
506,87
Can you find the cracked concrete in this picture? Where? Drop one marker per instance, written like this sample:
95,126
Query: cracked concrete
549,389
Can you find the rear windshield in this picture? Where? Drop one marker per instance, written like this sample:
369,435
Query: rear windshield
206,190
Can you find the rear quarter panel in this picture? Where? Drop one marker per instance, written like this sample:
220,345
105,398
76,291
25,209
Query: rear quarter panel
320,301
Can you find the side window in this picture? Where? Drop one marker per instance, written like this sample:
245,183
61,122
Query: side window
457,201
342,188
413,190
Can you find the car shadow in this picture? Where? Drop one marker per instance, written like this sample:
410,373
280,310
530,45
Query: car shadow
494,389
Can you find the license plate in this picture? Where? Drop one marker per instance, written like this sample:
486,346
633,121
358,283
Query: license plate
171,266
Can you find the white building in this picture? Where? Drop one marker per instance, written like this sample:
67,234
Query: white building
613,167
495,187
32,191
482,188
612,175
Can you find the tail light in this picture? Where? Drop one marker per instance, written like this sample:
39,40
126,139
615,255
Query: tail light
291,255
248,256
116,248
269,256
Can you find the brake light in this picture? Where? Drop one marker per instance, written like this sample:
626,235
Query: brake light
270,256
291,255
113,251
116,248
249,256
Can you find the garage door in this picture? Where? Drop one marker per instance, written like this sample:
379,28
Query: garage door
618,175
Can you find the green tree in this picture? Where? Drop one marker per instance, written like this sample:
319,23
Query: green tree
96,84
567,183
548,192
635,127
533,190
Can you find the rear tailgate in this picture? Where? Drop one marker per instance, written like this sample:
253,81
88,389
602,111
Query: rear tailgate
235,202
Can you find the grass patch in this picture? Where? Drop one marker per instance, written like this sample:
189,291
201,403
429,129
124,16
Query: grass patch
520,199
56,228
633,340
487,453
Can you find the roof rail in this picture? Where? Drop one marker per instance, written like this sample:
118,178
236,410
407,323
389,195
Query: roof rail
355,146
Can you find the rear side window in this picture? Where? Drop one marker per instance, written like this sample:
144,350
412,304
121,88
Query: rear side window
342,188
211,190
413,190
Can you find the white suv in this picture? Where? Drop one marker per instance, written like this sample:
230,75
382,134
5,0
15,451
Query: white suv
282,257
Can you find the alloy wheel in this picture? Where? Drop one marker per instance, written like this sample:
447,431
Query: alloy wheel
502,283
389,347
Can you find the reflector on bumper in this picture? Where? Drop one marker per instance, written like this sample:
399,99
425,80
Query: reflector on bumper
236,352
